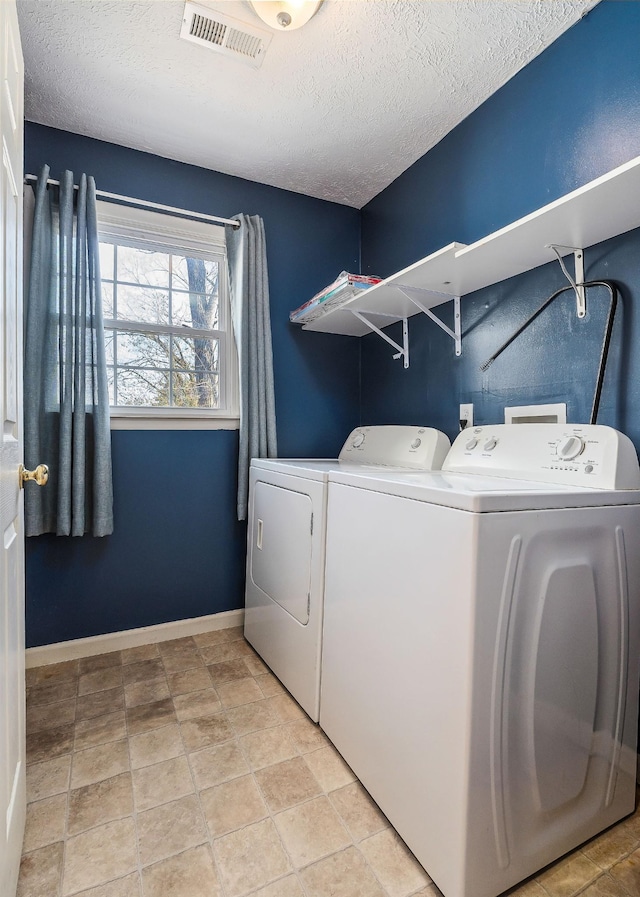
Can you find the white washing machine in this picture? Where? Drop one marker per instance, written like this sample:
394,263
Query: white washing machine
481,645
286,547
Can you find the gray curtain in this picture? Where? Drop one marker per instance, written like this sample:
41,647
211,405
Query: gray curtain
66,399
247,259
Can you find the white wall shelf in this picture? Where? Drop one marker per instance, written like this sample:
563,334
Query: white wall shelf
603,208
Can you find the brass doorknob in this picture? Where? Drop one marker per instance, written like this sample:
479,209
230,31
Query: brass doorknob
40,475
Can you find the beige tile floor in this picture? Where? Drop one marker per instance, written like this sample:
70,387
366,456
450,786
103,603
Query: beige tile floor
186,770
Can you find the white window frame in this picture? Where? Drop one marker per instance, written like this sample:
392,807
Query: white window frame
128,226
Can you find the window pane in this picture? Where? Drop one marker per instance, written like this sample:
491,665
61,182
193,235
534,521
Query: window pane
192,389
106,261
194,354
143,349
107,299
147,304
109,341
137,387
195,310
144,266
194,275
178,292
110,379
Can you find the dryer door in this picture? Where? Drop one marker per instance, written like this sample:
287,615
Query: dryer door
281,547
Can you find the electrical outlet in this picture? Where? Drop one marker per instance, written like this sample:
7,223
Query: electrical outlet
466,416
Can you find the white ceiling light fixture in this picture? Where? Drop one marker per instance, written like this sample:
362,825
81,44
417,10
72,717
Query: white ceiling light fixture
285,16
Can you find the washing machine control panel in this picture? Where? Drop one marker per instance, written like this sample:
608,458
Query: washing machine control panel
420,448
571,454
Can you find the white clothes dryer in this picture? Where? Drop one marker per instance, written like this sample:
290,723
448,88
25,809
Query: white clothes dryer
286,547
481,646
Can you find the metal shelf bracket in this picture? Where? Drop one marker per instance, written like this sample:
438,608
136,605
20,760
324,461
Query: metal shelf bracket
409,291
401,351
456,333
578,283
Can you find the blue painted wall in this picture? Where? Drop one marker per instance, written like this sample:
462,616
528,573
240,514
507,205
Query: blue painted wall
177,550
568,117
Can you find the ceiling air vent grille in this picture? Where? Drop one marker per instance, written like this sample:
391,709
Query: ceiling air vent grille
243,43
225,35
207,29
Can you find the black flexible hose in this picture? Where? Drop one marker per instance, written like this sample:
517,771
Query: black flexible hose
606,340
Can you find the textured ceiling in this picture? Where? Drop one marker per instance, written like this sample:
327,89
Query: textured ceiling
338,110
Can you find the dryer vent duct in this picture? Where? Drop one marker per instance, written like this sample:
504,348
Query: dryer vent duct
225,35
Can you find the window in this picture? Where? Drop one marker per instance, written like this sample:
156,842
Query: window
170,350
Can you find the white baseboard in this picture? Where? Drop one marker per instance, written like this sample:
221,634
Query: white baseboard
130,638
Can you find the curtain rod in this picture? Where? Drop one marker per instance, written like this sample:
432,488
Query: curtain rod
144,204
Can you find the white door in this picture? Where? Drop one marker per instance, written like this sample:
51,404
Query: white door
12,690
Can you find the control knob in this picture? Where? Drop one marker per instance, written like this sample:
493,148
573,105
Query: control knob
471,444
490,444
571,448
417,442
357,441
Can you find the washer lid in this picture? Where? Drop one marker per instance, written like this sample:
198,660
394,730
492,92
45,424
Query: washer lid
471,492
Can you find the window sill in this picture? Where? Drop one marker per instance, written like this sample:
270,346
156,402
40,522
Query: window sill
151,419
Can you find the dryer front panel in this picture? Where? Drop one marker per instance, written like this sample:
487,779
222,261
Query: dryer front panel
281,547
285,579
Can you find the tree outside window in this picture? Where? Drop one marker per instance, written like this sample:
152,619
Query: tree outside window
162,326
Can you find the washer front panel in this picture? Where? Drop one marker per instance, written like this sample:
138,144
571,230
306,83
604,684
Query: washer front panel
476,676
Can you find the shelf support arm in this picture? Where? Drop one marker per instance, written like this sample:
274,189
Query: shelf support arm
578,283
456,334
401,351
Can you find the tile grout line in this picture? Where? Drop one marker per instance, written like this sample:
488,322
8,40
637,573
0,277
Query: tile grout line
238,739
197,790
65,833
293,868
240,746
177,722
75,753
134,803
323,793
